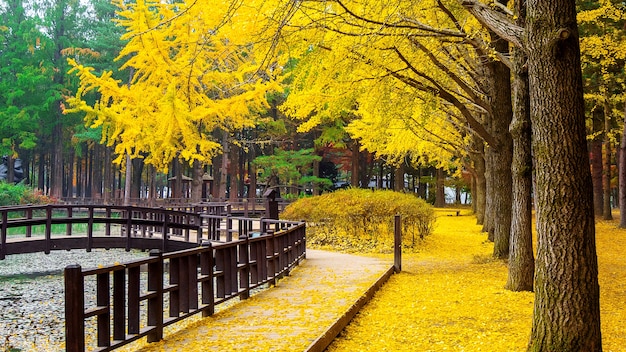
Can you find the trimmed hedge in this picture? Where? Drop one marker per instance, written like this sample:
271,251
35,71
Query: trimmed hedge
361,220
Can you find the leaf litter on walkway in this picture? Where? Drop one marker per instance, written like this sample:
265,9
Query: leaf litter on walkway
451,297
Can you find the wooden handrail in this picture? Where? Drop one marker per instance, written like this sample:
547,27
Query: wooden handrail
197,279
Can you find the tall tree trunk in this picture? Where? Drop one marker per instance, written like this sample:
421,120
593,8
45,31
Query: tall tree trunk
606,179
521,258
398,184
177,184
502,153
152,193
354,178
89,173
479,192
440,195
128,183
136,181
196,182
596,161
109,182
622,176
252,175
74,173
567,296
56,181
96,185
223,171
41,172
233,171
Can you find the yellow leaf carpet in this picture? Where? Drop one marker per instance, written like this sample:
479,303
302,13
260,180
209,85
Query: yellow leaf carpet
450,297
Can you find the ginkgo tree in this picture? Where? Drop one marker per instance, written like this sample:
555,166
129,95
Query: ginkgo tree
194,72
435,51
603,56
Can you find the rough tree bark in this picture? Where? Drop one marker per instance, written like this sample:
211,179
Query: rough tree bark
196,182
501,156
622,176
606,174
567,310
596,162
479,191
521,257
567,295
440,196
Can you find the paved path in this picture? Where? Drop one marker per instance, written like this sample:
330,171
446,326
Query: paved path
320,294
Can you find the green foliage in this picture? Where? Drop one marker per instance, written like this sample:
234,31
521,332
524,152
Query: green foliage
19,194
359,220
290,167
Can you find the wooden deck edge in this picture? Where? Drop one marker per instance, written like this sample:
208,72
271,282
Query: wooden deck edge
322,342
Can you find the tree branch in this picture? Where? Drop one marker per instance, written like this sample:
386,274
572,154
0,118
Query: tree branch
496,21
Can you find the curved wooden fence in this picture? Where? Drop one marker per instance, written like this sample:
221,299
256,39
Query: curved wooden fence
28,229
201,256
174,286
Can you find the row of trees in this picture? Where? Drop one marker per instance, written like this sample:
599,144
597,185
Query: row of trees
66,158
496,90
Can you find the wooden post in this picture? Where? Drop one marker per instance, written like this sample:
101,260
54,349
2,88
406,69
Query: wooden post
90,230
74,309
397,244
3,235
206,270
244,266
155,302
48,229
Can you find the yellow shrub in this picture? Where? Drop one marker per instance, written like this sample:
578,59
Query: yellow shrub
362,220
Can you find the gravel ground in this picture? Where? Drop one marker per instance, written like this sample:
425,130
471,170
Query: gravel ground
32,295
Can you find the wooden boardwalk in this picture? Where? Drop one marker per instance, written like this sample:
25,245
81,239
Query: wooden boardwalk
303,312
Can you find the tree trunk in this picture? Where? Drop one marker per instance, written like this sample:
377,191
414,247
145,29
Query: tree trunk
127,183
606,179
109,182
136,181
233,171
596,162
152,191
96,186
622,176
398,184
196,182
354,178
502,153
440,195
479,192
223,171
56,181
521,258
41,172
567,308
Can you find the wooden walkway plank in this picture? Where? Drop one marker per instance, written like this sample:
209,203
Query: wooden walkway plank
304,312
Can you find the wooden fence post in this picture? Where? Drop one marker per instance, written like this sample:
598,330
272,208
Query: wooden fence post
206,269
397,244
244,264
155,302
74,309
3,234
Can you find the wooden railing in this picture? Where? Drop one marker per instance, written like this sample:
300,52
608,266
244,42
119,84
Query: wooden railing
147,295
245,206
102,226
